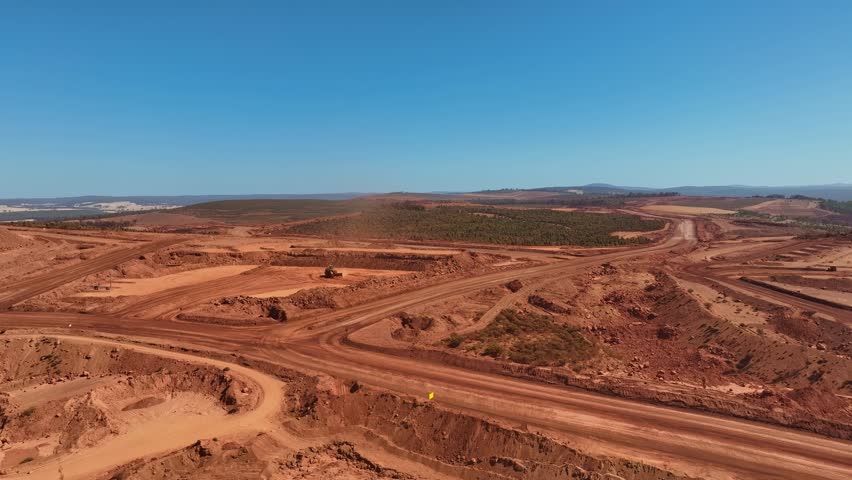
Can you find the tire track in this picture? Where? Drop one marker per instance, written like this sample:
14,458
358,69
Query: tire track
18,292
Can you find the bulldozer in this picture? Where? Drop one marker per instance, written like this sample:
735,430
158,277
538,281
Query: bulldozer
330,272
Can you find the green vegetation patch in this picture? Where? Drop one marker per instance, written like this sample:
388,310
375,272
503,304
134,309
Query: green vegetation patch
836,206
529,338
270,211
48,215
410,221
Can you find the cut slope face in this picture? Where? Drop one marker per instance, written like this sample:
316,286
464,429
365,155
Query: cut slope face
457,445
78,406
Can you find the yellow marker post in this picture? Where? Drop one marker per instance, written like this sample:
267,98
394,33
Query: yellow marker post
431,395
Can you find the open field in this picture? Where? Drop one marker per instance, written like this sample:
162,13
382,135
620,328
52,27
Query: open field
147,286
790,208
269,211
228,355
688,210
717,203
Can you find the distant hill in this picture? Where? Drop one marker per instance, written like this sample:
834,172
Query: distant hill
90,206
174,200
837,191
21,209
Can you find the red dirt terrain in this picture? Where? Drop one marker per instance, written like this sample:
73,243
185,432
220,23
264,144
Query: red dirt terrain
715,351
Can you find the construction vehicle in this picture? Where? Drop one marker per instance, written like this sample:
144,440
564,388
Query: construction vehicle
330,272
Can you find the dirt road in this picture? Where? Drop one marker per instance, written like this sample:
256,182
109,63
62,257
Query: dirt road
728,273
694,443
20,291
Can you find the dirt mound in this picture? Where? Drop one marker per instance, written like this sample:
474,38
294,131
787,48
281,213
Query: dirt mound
514,286
353,259
260,457
9,240
821,401
339,460
546,304
318,298
723,347
235,310
411,326
463,446
308,257
530,338
208,459
370,289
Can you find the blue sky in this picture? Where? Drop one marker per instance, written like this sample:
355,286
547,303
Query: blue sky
321,96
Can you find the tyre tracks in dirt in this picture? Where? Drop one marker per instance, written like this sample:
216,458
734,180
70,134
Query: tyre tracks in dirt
25,289
696,443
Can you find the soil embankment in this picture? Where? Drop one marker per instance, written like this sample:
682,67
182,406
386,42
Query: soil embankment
101,403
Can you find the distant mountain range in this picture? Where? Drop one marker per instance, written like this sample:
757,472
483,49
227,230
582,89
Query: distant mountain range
176,200
836,191
24,209
74,207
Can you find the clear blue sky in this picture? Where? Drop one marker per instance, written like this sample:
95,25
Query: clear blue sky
320,96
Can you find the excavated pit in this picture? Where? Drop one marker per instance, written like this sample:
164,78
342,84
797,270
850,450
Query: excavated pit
59,396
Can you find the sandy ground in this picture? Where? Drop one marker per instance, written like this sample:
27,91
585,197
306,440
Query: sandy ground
790,207
41,277
839,256
844,298
639,234
172,425
261,282
599,290
731,249
244,243
40,394
687,210
300,278
732,310
147,286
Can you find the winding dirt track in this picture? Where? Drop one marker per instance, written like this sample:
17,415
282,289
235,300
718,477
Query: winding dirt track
698,444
